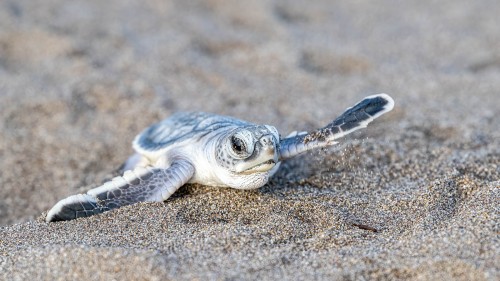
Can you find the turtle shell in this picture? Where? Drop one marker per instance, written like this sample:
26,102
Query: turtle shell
181,127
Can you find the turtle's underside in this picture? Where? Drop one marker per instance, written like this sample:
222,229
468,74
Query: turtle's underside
212,150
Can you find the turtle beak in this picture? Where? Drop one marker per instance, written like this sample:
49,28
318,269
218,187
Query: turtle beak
266,159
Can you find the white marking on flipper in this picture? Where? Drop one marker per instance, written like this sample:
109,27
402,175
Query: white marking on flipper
119,181
129,176
107,186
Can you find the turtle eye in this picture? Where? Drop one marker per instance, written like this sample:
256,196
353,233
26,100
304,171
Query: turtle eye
241,144
238,145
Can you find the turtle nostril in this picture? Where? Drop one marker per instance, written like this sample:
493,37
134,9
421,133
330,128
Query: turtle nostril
267,141
271,150
268,144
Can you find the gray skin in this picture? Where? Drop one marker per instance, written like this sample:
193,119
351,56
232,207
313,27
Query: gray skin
212,150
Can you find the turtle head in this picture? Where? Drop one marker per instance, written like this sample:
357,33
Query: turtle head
248,155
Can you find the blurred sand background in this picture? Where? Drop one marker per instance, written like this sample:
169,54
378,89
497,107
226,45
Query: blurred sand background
79,79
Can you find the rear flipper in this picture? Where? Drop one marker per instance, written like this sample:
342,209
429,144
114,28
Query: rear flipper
354,118
139,185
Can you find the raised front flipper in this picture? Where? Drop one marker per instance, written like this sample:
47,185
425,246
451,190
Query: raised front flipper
354,118
139,185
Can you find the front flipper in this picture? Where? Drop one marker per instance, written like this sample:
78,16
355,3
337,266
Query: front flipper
354,118
139,185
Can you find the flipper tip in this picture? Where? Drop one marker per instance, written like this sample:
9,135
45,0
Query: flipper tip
72,207
389,102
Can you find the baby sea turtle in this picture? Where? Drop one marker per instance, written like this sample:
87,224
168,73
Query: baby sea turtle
212,150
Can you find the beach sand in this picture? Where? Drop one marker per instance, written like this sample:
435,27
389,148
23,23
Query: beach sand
415,196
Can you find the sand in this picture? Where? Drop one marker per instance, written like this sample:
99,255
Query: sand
415,196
